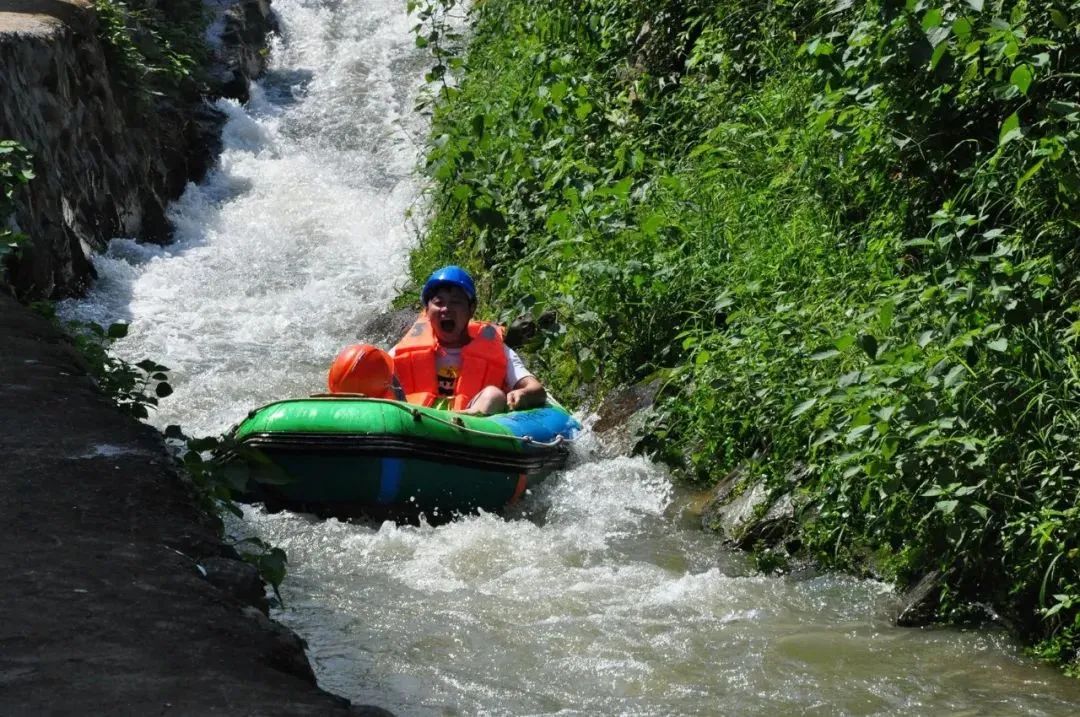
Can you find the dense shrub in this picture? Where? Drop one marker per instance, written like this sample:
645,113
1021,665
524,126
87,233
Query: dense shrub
844,234
153,48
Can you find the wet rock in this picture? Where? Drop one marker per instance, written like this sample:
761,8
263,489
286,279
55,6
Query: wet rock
777,526
286,649
736,509
241,56
238,579
618,408
369,711
524,329
203,138
734,519
386,329
919,604
797,474
710,514
623,417
773,527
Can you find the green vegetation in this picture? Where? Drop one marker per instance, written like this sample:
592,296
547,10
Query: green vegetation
220,469
134,388
843,234
153,50
16,170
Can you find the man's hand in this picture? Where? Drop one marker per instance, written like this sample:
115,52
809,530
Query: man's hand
528,393
514,398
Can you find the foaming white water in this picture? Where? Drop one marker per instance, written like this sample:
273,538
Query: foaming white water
598,605
299,234
594,601
487,612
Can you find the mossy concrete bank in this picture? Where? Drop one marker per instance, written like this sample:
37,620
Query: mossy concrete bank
107,566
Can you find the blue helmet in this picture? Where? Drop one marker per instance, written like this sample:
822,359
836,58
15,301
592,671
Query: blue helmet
452,275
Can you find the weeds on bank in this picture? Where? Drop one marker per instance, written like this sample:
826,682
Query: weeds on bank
221,469
16,170
844,235
152,50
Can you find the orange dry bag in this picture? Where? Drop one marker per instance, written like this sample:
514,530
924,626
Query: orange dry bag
363,369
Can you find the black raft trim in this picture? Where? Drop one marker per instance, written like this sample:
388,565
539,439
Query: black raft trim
535,459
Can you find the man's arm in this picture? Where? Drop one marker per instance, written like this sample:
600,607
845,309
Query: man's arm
527,393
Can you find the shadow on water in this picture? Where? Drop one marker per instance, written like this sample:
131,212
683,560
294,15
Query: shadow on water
285,87
368,516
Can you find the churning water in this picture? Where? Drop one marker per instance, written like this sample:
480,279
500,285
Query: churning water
601,597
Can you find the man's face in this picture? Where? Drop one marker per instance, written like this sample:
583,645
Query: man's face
449,312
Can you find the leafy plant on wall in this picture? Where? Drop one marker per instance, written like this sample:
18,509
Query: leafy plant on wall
16,170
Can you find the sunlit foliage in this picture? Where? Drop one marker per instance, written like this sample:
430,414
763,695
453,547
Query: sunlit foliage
844,235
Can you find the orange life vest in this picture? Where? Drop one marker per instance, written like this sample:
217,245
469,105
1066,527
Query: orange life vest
483,363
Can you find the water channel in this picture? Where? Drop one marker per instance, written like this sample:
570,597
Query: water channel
600,596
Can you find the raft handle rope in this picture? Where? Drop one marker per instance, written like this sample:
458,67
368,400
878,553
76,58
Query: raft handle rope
456,422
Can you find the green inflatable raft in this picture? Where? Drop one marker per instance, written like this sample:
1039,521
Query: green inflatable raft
353,455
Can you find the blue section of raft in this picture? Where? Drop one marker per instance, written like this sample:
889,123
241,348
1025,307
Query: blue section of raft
543,425
390,480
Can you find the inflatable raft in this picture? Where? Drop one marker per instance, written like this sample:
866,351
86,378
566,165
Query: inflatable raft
356,455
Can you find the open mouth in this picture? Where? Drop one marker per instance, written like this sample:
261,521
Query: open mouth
447,325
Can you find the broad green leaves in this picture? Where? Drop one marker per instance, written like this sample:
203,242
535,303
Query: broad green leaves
147,54
1021,78
134,387
842,239
1010,129
16,170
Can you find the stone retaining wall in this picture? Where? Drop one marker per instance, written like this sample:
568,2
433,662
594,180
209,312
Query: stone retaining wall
106,165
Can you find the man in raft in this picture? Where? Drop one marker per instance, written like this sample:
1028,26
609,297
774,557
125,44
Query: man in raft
447,360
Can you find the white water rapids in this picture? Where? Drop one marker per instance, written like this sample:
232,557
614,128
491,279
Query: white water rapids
603,598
